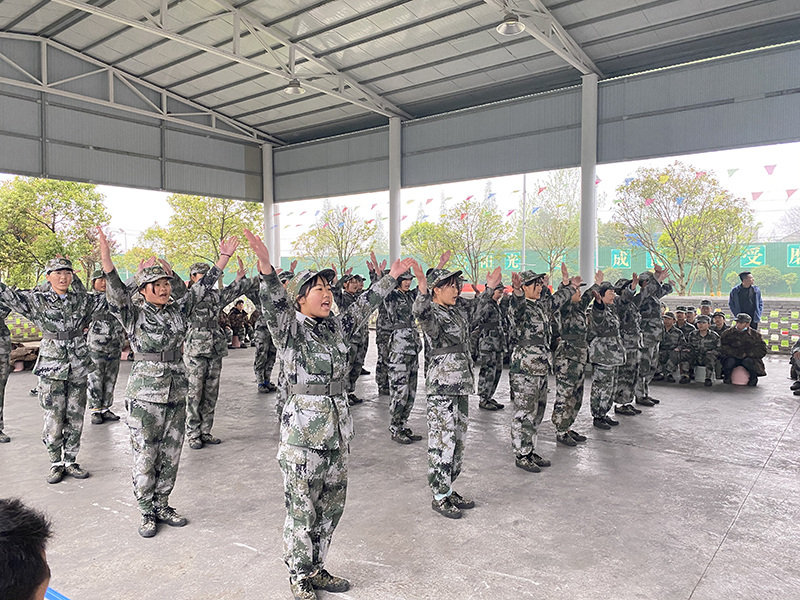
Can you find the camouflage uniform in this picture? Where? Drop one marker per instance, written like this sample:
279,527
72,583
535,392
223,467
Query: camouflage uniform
491,348
63,363
157,387
238,320
704,350
105,339
448,382
403,357
204,348
671,353
531,361
626,305
652,325
570,361
316,425
607,354
5,365
383,334
357,351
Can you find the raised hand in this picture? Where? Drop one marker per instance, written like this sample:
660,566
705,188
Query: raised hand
260,250
634,281
598,277
493,278
293,265
597,297
400,266
105,251
444,259
228,247
150,262
241,272
516,281
382,267
576,281
167,267
349,271
335,272
564,274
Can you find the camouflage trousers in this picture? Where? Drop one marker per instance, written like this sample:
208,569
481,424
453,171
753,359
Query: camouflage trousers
5,369
64,404
529,397
101,381
670,360
203,375
382,364
569,392
704,359
157,432
403,370
355,359
315,489
490,373
448,417
265,356
604,389
282,394
627,376
648,363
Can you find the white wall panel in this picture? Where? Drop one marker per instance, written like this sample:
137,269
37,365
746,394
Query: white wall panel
95,166
20,155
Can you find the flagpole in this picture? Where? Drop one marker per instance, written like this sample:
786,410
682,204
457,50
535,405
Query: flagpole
524,215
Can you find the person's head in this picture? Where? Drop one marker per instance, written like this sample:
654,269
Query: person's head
705,307
285,277
239,304
197,270
154,284
445,286
703,322
607,293
719,319
747,278
691,313
532,284
743,321
680,315
24,573
359,283
644,278
349,284
404,281
669,319
99,281
311,291
59,272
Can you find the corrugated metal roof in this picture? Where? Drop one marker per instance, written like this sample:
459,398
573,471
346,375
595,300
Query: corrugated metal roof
407,57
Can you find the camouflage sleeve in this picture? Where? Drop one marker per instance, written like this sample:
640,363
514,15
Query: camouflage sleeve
518,305
119,300
192,298
23,302
77,284
179,289
759,345
336,290
235,289
796,347
278,311
560,298
588,296
359,312
422,309
666,289
482,307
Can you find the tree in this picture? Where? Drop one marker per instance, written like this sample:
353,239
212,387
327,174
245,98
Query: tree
733,279
790,279
338,235
789,224
553,230
425,241
734,229
40,218
474,231
381,243
670,212
766,276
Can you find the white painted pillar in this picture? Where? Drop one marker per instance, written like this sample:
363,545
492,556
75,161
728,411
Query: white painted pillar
588,241
395,165
268,196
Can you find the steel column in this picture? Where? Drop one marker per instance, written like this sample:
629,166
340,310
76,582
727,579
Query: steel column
588,242
395,164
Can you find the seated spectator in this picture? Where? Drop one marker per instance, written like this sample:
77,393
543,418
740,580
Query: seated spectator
742,346
704,347
672,352
24,573
238,321
796,366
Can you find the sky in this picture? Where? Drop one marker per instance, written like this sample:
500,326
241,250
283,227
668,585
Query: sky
742,171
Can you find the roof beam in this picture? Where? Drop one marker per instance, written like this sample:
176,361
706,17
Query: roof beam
354,95
542,25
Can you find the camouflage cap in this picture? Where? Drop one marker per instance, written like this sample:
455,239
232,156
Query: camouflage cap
691,309
345,278
622,284
438,276
149,275
668,315
645,276
604,287
359,277
407,275
98,274
528,277
743,318
719,313
285,276
304,276
703,319
58,264
680,309
199,267
705,302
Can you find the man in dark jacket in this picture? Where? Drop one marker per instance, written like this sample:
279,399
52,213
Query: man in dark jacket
742,346
746,298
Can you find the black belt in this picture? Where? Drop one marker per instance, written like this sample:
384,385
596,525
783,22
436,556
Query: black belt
334,388
490,324
534,341
207,324
61,335
573,337
166,356
448,350
396,326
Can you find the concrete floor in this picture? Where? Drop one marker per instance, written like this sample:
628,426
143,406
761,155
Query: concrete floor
695,498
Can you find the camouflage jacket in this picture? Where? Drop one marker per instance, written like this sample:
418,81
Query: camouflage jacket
605,342
204,337
153,329
491,329
314,352
450,373
382,323
687,329
574,326
703,344
5,334
344,300
52,314
532,330
237,317
105,334
719,332
742,344
399,322
672,339
626,305
650,308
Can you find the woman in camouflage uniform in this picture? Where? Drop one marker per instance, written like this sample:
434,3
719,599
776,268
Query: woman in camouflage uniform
606,353
316,425
5,365
157,386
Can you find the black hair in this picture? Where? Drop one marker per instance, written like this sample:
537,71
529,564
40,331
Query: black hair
23,535
306,287
744,274
453,279
238,302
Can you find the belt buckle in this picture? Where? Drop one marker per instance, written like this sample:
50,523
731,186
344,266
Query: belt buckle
335,388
